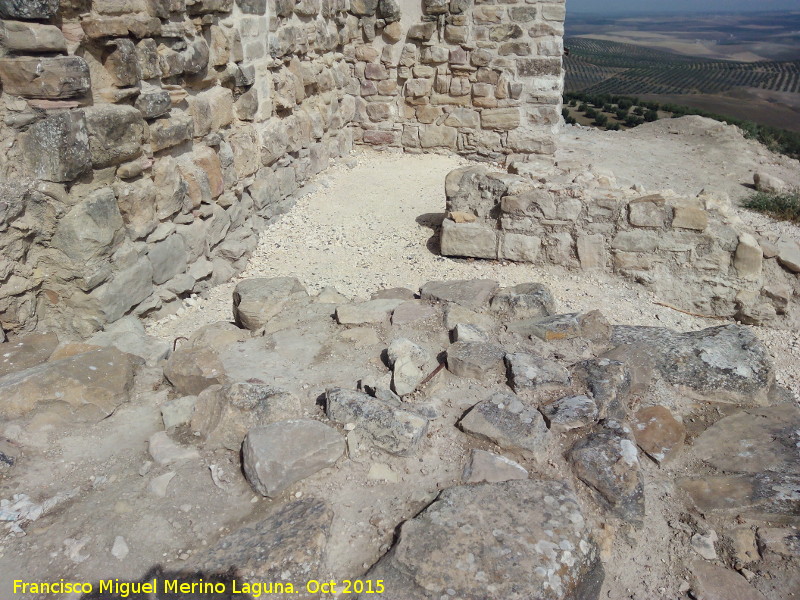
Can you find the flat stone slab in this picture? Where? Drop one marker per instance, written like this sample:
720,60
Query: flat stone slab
257,300
658,433
491,468
278,455
504,420
461,547
476,360
26,351
371,311
762,494
411,311
570,413
723,364
524,301
528,372
592,325
472,293
712,582
389,426
752,441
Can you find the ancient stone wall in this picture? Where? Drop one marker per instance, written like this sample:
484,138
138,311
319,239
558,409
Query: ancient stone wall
145,142
692,252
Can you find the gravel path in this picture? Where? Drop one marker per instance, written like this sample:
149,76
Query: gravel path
368,226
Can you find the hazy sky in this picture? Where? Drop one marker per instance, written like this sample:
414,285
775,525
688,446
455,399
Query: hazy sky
606,6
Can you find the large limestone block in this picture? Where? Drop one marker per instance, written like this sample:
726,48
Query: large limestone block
724,364
469,293
92,229
474,240
126,289
257,300
537,522
500,119
371,311
31,37
524,301
389,425
224,414
171,131
51,77
92,385
278,455
192,369
477,360
27,351
57,148
116,133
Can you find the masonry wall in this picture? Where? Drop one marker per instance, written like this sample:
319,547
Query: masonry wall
146,142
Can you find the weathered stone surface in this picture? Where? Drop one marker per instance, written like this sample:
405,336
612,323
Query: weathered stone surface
464,332
473,294
128,288
500,119
51,77
289,545
406,359
91,229
57,147
153,104
31,37
278,455
28,9
765,182
411,311
517,520
390,426
789,254
92,385
570,413
455,314
726,363
371,311
524,301
759,495
171,131
27,351
224,414
123,63
748,257
257,300
468,239
116,133
478,360
166,452
178,412
363,7
785,542
608,462
192,369
753,441
712,582
491,468
528,372
658,433
591,325
128,335
503,420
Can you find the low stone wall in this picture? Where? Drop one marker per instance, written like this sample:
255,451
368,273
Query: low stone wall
146,142
693,252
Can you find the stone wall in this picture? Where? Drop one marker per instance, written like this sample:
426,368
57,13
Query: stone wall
692,252
145,142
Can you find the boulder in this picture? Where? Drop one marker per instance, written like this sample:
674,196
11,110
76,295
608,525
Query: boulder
722,364
608,462
524,301
528,372
466,537
503,420
92,385
389,425
473,294
278,455
192,369
478,360
224,414
570,413
289,546
256,301
491,468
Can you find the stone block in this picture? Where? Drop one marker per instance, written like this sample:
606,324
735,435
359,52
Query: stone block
28,9
520,247
171,131
538,67
116,133
500,119
645,212
168,258
437,136
422,31
31,37
51,77
749,257
690,217
123,63
635,241
468,239
592,251
58,147
153,104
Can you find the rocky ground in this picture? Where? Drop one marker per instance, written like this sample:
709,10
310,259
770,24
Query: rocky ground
392,427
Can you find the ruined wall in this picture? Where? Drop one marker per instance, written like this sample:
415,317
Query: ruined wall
692,252
145,142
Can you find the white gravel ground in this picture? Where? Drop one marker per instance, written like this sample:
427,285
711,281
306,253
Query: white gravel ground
368,227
